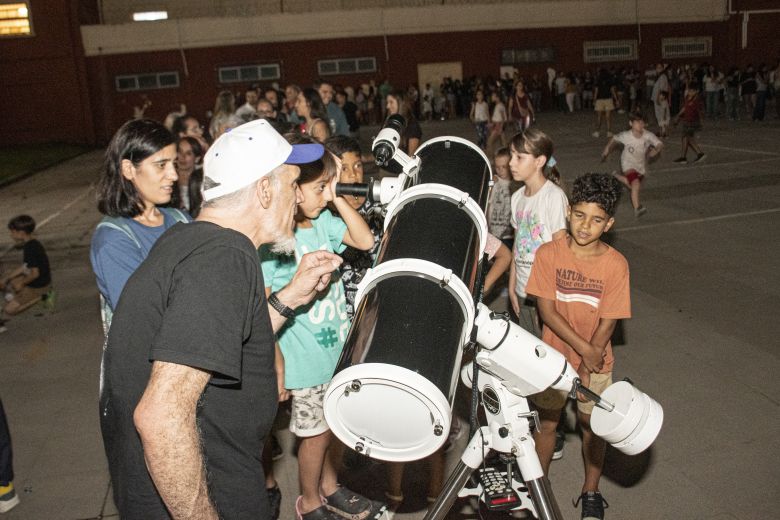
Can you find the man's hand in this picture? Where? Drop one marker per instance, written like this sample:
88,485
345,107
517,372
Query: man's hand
313,275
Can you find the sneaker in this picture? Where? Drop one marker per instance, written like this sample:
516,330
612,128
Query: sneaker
321,513
276,449
560,440
275,501
641,210
8,498
48,300
681,160
348,504
593,505
700,157
596,134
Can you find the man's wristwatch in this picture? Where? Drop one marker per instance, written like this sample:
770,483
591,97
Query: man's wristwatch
281,308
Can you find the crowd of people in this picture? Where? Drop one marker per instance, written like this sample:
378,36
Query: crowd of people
215,256
345,231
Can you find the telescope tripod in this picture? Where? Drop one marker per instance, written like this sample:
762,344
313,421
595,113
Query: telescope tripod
509,432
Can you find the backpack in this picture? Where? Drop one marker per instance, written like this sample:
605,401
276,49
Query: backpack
120,224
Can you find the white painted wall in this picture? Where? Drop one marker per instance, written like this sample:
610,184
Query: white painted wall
253,27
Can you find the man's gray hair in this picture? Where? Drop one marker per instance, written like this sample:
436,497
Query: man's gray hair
240,197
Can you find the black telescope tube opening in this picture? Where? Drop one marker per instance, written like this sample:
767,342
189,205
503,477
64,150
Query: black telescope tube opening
356,190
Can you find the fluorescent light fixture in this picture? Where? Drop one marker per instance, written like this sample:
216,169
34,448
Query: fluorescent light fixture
14,19
149,16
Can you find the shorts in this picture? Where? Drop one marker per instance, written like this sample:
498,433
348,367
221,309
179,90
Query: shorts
633,175
30,294
604,105
308,414
690,129
551,399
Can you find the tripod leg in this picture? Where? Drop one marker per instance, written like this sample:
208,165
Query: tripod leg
458,479
472,457
538,486
543,499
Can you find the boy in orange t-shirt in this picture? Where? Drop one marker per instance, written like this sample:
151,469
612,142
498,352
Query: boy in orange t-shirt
582,289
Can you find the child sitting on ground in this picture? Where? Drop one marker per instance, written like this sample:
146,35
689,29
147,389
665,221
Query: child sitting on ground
312,342
30,282
582,289
639,145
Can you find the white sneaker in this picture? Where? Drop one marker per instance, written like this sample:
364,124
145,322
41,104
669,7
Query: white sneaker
595,134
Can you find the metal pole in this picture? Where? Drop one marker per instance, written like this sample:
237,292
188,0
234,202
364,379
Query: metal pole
448,495
543,499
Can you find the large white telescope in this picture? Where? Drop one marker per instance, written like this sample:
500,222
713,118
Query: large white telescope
393,389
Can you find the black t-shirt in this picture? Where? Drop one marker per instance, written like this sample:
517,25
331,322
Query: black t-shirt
604,84
197,300
35,256
350,112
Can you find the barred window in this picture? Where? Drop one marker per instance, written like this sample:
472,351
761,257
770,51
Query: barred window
346,66
248,73
147,81
694,47
611,50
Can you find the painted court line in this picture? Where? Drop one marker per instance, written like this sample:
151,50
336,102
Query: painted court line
65,207
699,220
732,149
705,164
54,215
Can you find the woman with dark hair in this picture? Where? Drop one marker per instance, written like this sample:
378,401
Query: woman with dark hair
189,164
396,104
188,125
311,110
521,109
137,177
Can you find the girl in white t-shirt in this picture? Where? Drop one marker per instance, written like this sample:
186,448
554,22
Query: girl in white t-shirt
497,121
538,214
480,114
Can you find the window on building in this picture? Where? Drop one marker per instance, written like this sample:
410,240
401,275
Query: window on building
248,73
150,16
346,66
520,56
695,47
147,81
15,19
611,50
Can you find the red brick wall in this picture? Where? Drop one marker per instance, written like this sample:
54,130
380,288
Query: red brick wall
54,93
43,79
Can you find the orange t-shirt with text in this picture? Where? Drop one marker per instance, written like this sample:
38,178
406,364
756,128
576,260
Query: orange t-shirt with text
584,291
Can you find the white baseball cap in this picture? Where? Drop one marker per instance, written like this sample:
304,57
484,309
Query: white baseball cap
248,152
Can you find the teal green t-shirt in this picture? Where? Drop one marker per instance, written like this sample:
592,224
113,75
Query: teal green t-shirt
312,342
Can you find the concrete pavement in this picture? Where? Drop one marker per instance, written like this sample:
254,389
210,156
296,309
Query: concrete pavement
703,339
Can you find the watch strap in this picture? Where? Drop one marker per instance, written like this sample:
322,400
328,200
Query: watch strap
281,308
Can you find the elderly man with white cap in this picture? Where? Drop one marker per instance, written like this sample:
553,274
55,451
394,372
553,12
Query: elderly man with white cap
188,386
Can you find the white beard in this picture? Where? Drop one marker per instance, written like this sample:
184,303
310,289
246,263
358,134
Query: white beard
283,244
